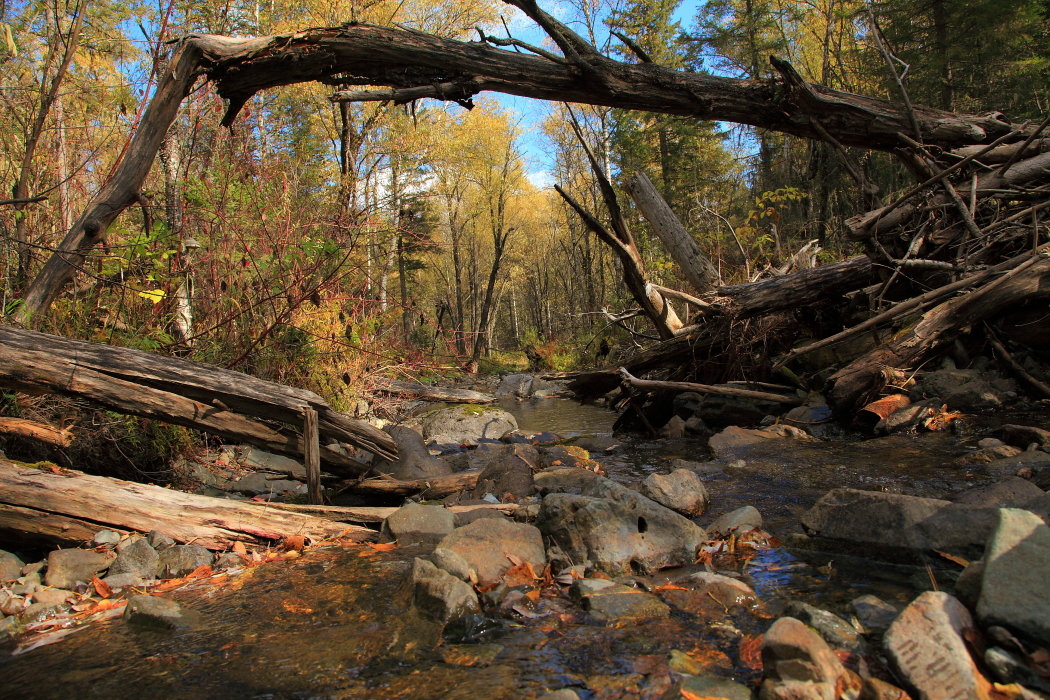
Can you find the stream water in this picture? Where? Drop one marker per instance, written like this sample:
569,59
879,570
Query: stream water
335,624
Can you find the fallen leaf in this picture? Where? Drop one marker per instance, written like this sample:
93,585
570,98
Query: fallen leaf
750,652
520,575
295,543
670,587
382,546
953,558
887,405
556,463
297,606
101,587
239,548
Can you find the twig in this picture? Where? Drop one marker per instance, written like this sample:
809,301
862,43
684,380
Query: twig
1016,156
1014,365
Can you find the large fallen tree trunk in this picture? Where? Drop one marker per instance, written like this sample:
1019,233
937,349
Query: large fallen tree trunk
69,507
222,402
426,392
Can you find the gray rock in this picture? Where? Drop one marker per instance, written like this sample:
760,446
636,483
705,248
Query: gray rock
714,687
486,546
37,612
258,483
614,602
156,613
158,540
440,595
886,524
965,389
798,663
564,480
183,559
413,461
262,460
418,524
27,584
118,582
468,516
9,628
1024,435
466,425
52,596
67,566
106,537
926,646
10,566
838,633
673,428
618,530
722,411
11,604
739,520
968,585
735,442
229,560
515,385
451,562
137,558
873,612
1011,492
1016,571
563,694
508,471
1008,668
681,491
596,443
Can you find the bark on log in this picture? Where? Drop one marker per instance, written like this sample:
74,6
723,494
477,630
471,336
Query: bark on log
373,515
650,385
219,401
864,379
433,393
36,431
434,487
67,506
693,264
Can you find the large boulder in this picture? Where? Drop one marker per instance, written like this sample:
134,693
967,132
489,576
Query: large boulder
798,663
681,491
515,386
67,566
439,595
507,471
965,389
413,461
1016,570
618,530
415,523
465,424
615,602
926,644
490,546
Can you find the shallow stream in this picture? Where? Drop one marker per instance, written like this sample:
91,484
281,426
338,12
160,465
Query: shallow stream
337,624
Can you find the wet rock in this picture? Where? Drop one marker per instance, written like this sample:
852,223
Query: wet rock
926,645
67,566
734,442
52,596
739,520
418,524
721,411
452,562
259,483
509,471
1011,492
10,566
11,604
1016,571
1009,668
838,633
486,545
798,663
518,437
707,594
157,613
614,602
546,388
466,424
673,428
413,461
888,523
439,595
229,560
137,558
873,612
563,694
965,389
681,491
563,456
968,585
9,627
1034,462
105,537
37,612
26,584
1024,435
515,385
158,540
469,516
713,687
987,454
183,559
596,443
618,530
564,480
707,471
118,582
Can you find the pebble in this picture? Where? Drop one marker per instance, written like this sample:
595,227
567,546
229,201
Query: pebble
106,537
873,612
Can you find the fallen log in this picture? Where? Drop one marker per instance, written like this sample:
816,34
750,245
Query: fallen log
651,385
54,505
433,393
215,400
434,487
36,431
374,514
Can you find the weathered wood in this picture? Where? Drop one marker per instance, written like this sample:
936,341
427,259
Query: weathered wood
312,456
186,393
433,393
68,506
36,431
434,487
651,385
802,288
374,515
692,263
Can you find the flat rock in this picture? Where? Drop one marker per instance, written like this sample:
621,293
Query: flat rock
873,612
894,523
118,582
734,442
10,566
452,562
740,520
614,602
37,612
708,594
838,633
618,530
1011,492
515,385
265,483
487,545
681,491
713,687
1016,571
137,558
798,663
414,460
183,559
106,537
564,480
439,595
267,461
52,596
67,566
414,523
465,424
926,645
156,613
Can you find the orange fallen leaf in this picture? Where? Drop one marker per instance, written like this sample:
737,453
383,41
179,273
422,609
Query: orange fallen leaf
751,652
556,463
101,587
294,543
520,575
296,606
533,595
670,587
103,605
374,547
953,558
239,548
887,405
